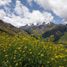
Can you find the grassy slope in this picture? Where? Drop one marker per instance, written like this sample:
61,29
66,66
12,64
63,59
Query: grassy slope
63,39
22,50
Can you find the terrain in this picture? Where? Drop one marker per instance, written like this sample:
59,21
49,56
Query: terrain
33,46
46,31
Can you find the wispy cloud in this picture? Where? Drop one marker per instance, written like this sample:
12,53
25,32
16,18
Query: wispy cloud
59,7
4,2
22,16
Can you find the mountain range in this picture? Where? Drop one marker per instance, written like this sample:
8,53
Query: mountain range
49,32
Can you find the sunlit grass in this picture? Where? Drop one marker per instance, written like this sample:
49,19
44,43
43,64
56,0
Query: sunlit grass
26,51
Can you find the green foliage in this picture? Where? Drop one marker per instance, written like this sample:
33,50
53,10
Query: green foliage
23,50
51,38
63,39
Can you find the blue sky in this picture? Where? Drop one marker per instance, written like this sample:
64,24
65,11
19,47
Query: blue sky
22,12
35,6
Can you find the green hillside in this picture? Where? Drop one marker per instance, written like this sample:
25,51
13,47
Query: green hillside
23,50
63,39
45,31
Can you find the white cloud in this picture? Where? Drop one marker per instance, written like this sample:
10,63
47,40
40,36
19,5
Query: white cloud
24,16
30,2
2,14
38,17
20,9
59,7
34,17
65,22
4,2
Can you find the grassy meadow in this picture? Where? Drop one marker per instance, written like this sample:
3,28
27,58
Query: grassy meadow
25,51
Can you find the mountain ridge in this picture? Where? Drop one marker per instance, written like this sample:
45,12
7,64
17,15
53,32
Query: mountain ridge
46,30
43,31
8,28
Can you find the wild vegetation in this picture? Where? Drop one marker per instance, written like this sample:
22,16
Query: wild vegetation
23,50
18,48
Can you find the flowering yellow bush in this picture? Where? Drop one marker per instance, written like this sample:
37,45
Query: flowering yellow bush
26,51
